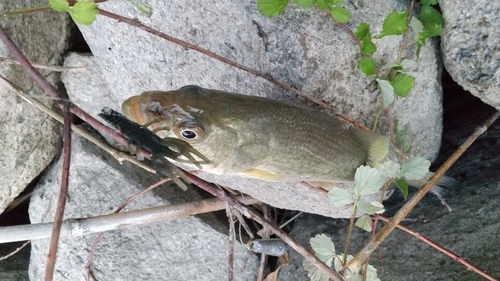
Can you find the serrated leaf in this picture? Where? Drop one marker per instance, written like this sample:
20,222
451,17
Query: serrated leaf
416,168
390,168
364,222
59,5
305,3
430,17
363,31
367,181
403,186
272,8
394,24
368,66
340,14
417,27
370,208
84,12
429,2
407,63
403,84
368,48
387,92
340,197
323,248
314,272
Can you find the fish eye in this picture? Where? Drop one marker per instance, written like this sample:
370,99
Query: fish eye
188,134
190,131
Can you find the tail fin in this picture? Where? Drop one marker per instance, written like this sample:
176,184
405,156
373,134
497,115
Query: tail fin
376,145
436,189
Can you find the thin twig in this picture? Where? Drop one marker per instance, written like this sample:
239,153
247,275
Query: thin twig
249,213
265,235
47,67
356,262
428,241
257,73
231,237
118,155
63,195
343,26
15,251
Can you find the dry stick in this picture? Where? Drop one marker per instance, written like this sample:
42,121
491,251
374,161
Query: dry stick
43,66
249,213
456,257
231,237
118,155
63,194
265,235
15,251
266,76
74,227
356,262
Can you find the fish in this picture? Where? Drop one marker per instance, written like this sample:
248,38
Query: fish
258,137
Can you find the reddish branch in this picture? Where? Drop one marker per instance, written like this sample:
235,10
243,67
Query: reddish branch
456,257
63,194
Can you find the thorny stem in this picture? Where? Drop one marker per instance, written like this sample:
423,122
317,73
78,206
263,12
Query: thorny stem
263,75
63,194
355,263
428,241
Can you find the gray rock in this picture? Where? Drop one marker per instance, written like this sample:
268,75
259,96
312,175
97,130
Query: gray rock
302,48
180,249
470,46
29,138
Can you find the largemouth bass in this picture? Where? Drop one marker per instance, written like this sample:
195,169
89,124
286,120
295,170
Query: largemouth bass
258,137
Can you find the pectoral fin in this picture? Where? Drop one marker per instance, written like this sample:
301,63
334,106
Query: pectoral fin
244,158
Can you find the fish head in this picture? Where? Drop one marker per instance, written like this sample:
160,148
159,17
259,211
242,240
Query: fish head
187,114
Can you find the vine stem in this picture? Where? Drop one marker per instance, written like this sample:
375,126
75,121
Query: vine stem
433,244
356,262
349,233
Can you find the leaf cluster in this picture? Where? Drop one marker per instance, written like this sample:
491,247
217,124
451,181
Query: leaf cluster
273,8
324,250
83,12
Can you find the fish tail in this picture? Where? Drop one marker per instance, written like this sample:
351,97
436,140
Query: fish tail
376,145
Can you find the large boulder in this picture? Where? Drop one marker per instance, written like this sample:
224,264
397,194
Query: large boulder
186,248
29,139
470,46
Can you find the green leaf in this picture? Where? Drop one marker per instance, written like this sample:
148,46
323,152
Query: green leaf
406,63
403,84
363,31
428,2
388,65
416,168
59,5
367,181
314,272
390,168
143,7
387,92
323,248
403,186
84,12
305,3
340,197
272,8
340,14
370,208
368,66
417,27
364,222
394,24
368,48
430,17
